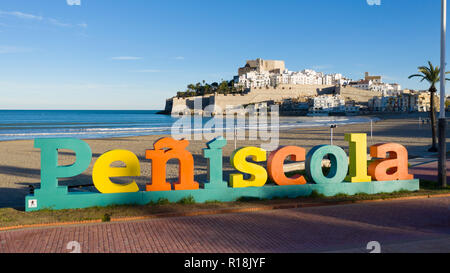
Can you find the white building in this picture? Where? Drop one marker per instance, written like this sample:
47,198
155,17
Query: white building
304,77
327,103
387,89
254,79
362,84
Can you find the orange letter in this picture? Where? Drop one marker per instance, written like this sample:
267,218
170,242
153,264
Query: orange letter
276,162
395,167
164,150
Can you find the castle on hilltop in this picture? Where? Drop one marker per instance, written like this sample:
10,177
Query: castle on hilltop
260,73
260,65
264,82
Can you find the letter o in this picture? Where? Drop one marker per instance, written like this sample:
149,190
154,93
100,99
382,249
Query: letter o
338,160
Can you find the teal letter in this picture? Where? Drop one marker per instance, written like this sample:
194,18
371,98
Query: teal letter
214,156
50,171
338,160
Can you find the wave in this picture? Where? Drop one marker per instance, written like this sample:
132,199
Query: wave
110,129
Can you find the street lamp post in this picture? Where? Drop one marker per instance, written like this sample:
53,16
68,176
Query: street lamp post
371,130
332,126
442,171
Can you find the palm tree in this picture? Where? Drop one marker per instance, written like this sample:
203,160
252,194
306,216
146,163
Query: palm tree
431,75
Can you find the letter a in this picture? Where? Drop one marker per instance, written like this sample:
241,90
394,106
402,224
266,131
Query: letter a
395,167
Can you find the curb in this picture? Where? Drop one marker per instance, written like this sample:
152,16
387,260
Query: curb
50,225
223,211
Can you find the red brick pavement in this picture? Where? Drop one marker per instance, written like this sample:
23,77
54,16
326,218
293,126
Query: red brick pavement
292,230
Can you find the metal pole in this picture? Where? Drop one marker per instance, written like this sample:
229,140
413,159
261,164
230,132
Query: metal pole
442,169
332,126
443,63
371,130
331,136
235,137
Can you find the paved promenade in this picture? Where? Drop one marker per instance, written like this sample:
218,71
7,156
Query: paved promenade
399,226
427,168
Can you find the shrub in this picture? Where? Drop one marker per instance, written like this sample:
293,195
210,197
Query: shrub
248,199
163,201
106,217
187,200
316,194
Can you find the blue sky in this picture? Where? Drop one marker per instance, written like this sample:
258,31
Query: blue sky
133,54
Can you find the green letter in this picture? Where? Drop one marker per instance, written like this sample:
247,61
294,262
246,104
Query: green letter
50,171
214,156
338,168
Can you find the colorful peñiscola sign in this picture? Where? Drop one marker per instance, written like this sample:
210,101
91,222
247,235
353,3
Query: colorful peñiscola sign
347,174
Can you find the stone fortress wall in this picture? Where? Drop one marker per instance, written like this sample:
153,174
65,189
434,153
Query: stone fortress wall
275,94
360,96
254,95
266,94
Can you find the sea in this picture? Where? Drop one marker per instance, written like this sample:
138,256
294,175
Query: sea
88,124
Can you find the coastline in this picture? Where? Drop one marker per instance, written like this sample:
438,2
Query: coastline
94,124
20,162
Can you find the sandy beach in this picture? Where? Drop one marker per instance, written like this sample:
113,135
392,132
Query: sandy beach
20,162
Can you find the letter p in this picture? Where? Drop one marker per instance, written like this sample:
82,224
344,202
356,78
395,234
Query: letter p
51,171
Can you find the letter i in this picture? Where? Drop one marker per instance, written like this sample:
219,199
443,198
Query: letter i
215,162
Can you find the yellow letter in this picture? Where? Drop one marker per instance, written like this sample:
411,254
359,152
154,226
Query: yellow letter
258,173
358,158
103,171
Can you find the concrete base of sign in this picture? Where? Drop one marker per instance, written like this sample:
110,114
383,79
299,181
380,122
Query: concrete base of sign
74,200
